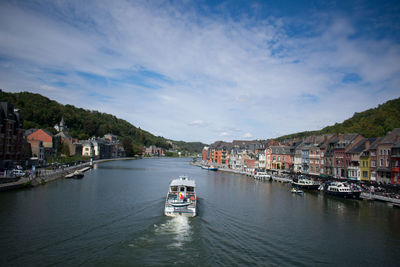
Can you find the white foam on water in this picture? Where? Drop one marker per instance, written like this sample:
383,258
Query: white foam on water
179,229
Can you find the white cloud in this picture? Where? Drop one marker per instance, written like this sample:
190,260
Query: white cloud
197,123
247,135
237,75
47,88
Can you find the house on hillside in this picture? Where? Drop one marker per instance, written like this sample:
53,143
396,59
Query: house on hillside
47,138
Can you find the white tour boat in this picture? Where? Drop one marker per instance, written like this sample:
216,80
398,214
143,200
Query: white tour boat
262,176
341,189
181,198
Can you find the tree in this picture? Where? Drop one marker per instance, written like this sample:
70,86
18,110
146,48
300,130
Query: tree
128,146
65,149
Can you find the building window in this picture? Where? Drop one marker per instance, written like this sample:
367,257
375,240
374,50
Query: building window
381,162
365,174
373,163
387,163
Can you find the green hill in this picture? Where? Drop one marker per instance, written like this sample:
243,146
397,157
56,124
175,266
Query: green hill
40,112
373,122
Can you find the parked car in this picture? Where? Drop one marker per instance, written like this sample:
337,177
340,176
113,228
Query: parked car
18,173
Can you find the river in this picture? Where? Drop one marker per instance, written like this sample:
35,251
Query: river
114,216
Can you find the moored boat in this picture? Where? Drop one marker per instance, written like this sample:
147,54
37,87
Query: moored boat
210,168
75,174
262,176
181,198
305,183
341,189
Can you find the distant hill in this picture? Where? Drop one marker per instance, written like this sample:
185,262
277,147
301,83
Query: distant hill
40,112
373,122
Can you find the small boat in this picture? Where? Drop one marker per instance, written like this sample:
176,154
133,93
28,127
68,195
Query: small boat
210,168
296,191
181,198
75,174
341,189
305,183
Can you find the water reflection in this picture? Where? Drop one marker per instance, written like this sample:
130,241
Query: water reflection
114,216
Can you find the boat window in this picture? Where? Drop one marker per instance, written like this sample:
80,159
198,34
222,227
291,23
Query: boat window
174,188
182,189
172,196
190,189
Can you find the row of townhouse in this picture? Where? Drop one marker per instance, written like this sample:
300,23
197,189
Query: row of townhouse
153,151
238,155
342,156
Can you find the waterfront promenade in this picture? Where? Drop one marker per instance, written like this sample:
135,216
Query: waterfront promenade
366,195
43,176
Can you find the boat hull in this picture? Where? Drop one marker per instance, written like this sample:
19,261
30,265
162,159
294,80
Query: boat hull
172,211
306,186
209,168
349,195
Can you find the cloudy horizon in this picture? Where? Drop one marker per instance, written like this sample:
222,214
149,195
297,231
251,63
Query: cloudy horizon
206,71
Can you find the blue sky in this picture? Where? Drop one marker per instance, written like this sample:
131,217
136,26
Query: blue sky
206,70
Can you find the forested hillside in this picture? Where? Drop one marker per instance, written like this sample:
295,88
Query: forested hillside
370,123
40,112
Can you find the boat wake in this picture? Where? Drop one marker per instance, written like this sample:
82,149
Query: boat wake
178,228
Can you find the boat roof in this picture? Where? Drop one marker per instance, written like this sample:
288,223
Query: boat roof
183,180
339,183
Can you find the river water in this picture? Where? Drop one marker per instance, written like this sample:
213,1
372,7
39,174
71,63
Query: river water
114,216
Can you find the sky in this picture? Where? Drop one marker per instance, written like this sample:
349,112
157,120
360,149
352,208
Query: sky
206,70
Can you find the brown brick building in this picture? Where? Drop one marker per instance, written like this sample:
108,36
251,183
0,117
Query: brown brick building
12,143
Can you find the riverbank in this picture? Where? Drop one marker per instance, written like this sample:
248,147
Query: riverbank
46,176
